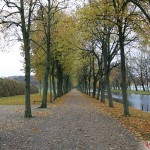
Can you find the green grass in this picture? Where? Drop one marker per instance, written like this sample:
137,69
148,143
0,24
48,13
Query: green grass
18,100
134,92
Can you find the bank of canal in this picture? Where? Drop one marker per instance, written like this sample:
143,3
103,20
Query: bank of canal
138,101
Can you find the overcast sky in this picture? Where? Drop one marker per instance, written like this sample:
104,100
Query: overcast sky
11,62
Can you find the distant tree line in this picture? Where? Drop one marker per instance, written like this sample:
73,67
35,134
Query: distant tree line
12,87
22,79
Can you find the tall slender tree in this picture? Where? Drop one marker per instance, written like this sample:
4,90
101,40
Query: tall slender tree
47,28
21,14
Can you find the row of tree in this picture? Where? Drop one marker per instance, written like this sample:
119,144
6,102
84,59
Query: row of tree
110,30
36,24
12,87
50,58
82,46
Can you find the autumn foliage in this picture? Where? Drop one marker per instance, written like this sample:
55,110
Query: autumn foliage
138,123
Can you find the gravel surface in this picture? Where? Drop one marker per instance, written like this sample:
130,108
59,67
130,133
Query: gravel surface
73,124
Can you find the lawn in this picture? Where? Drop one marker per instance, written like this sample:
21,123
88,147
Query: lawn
18,100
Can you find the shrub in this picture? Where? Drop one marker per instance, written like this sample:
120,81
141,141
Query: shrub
12,87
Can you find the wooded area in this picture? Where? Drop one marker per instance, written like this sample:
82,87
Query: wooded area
99,45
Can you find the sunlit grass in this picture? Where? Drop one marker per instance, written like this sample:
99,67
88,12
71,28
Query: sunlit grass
18,100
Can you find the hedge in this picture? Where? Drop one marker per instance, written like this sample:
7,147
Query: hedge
13,87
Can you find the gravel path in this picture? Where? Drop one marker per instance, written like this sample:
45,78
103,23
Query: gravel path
74,124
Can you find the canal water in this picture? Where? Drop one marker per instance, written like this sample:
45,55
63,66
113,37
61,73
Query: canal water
137,101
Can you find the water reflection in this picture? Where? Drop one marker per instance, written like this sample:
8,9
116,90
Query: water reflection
137,101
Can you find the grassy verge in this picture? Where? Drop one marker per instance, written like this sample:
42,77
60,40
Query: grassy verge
18,100
134,92
138,123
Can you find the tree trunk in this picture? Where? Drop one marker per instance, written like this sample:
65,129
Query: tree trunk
94,78
134,82
40,87
89,85
102,91
142,80
45,89
89,79
109,92
66,84
47,70
28,113
59,87
87,92
147,79
107,61
50,88
86,87
129,85
45,80
123,72
59,80
26,41
53,82
70,85
99,89
94,87
135,87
